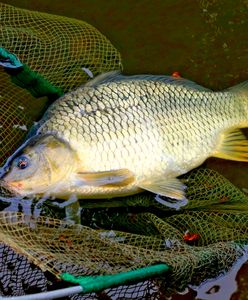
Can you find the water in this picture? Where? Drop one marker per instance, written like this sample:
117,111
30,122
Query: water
206,41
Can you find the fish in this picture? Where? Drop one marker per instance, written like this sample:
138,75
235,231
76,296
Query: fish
119,135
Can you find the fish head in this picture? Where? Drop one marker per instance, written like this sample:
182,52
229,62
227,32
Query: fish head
37,167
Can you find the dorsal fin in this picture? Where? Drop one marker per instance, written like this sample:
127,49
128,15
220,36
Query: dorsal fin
104,77
186,83
117,76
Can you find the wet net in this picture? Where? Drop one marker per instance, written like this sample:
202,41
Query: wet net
200,241
60,49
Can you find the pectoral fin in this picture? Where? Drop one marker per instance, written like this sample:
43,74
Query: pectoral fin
112,178
169,187
234,146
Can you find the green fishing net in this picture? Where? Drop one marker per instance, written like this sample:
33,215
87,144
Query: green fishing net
136,231
57,47
199,241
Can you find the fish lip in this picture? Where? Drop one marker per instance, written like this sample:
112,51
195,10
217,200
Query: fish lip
7,190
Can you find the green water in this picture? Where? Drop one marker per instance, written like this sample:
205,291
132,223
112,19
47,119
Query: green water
206,41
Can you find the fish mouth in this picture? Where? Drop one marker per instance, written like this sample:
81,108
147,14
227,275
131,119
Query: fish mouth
7,191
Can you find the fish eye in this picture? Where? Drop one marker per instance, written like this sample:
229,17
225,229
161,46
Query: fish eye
22,162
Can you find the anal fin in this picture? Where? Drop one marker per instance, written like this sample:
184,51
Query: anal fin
234,146
169,187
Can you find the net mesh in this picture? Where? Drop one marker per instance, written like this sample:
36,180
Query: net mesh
111,240
56,47
202,240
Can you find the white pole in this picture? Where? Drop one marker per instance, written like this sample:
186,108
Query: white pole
48,295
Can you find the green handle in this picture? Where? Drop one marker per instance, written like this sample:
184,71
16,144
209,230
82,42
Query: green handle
98,283
9,60
36,84
24,77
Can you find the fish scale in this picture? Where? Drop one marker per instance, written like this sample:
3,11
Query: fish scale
149,104
125,134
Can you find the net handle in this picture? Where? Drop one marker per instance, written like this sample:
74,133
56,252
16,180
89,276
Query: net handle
94,284
48,295
25,78
9,60
98,283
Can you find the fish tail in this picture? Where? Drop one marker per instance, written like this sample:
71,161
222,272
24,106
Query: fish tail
234,143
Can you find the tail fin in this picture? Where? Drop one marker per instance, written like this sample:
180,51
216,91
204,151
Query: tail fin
234,143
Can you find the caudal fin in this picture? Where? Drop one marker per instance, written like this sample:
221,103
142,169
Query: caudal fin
233,145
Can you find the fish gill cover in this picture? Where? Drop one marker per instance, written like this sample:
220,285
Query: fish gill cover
202,240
